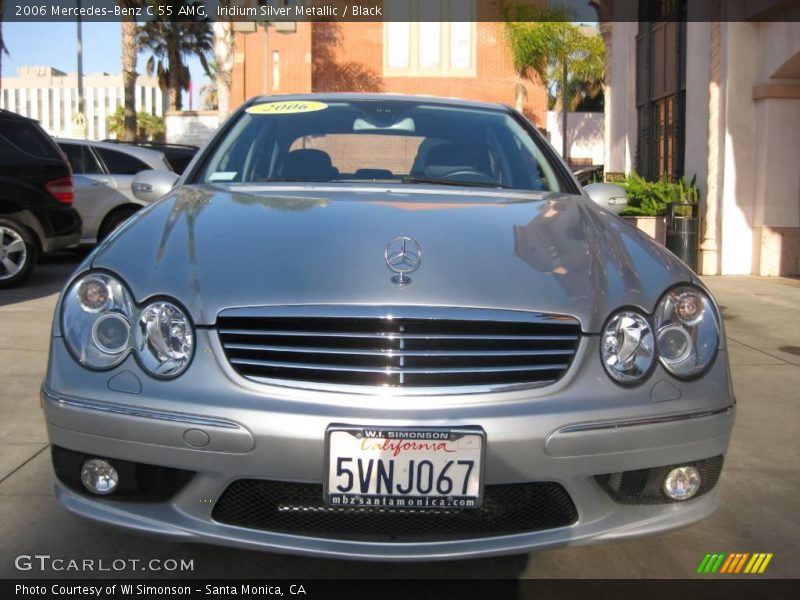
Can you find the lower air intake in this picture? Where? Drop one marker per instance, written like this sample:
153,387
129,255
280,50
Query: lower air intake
297,508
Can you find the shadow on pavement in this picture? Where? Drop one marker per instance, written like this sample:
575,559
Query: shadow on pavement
218,562
48,277
242,563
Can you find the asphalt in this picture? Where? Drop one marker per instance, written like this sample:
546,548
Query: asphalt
760,486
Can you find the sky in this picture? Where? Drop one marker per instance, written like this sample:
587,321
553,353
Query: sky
55,45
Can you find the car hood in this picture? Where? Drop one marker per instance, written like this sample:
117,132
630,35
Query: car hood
214,249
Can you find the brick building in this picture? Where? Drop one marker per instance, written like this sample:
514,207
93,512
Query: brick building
463,59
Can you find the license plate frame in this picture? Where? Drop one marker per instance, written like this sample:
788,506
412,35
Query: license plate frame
400,433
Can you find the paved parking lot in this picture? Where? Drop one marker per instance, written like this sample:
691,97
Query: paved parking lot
760,484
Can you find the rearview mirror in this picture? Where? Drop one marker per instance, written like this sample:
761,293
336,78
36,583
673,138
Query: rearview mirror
611,197
148,186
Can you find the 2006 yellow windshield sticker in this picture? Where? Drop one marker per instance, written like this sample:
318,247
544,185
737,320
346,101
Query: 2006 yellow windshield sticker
291,107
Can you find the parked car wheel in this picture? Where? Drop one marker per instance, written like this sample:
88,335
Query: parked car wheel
18,253
114,220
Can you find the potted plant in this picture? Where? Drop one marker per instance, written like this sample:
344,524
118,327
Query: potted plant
648,200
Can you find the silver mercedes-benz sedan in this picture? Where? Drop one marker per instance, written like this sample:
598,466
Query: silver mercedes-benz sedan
387,328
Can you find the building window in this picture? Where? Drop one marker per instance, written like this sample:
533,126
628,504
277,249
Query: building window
661,88
461,45
434,38
430,34
119,163
398,34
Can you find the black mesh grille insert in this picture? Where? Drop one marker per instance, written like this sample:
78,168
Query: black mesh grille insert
645,486
400,351
298,508
138,482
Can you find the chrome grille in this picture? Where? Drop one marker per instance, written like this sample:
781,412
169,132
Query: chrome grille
406,351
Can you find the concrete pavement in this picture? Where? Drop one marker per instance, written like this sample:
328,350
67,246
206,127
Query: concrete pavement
760,484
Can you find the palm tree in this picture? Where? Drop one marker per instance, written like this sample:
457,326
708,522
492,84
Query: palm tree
532,33
149,127
587,70
546,47
209,93
129,55
170,44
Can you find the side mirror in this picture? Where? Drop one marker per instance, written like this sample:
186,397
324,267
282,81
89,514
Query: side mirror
148,186
611,197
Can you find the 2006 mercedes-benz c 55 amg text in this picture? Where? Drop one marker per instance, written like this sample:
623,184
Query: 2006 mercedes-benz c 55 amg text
385,327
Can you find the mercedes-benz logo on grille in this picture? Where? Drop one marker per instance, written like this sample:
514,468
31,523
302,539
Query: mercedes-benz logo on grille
403,256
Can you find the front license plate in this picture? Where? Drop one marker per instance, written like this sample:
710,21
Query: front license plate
404,467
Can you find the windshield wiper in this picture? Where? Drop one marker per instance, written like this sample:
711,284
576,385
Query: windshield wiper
434,180
292,180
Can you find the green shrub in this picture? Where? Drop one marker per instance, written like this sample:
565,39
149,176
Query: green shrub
149,128
650,198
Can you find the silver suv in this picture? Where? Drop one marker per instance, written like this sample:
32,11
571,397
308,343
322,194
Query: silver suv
102,174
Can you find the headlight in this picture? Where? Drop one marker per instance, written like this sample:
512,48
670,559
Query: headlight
164,339
95,320
627,347
102,325
687,331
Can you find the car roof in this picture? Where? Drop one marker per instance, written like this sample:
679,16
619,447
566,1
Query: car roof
410,98
153,145
7,114
147,154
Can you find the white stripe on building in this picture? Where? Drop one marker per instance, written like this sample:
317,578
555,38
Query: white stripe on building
57,109
88,107
33,111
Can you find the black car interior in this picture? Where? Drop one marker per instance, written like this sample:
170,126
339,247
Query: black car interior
455,145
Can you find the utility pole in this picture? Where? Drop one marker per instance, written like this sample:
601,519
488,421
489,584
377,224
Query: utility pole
79,120
564,109
80,61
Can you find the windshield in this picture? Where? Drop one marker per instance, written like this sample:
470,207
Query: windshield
406,142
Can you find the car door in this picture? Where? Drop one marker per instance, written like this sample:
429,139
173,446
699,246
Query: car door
122,168
95,193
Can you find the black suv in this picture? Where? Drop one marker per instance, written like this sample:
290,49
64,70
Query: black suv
36,192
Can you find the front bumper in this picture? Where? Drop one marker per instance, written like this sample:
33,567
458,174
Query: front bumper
567,432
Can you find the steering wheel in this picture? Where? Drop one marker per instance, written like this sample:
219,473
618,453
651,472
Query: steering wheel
468,175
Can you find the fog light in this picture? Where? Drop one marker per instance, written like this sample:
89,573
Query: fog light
682,483
99,476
